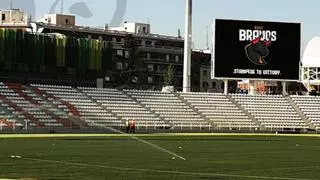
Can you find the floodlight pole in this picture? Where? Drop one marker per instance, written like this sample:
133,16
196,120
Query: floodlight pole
10,3
61,8
187,48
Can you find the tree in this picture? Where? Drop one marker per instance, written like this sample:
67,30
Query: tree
169,76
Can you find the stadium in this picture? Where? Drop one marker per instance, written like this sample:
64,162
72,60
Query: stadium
123,103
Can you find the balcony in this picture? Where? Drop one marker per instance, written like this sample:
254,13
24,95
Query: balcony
162,61
117,45
161,49
163,73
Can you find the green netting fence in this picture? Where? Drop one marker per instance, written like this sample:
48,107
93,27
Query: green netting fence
22,51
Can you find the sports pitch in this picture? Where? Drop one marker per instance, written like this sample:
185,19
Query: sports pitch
208,156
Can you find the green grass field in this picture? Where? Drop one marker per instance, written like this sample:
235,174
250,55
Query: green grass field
208,156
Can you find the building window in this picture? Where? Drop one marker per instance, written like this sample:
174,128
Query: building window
119,66
3,17
67,21
148,55
126,54
118,39
154,56
168,57
205,85
119,52
148,43
135,79
159,69
177,58
126,65
150,80
214,85
204,73
150,67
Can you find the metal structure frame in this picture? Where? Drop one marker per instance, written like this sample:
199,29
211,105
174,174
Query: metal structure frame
310,76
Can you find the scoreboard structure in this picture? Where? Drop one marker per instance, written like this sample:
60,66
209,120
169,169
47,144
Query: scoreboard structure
256,50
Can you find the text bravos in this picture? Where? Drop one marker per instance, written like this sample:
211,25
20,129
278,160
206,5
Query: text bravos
249,35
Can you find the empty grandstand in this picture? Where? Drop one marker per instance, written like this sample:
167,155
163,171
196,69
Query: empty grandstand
272,111
39,106
219,110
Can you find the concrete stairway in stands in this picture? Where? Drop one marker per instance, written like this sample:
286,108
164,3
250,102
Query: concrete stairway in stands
301,114
245,112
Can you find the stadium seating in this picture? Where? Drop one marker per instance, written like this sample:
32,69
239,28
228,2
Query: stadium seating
171,108
78,105
273,111
220,110
310,106
57,106
124,107
22,105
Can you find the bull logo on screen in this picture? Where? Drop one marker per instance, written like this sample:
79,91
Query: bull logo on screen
259,42
257,51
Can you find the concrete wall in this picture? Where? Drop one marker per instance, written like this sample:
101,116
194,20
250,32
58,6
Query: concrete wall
13,17
58,19
65,20
133,27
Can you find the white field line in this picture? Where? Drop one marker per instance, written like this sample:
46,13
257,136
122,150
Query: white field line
160,171
154,135
145,142
158,147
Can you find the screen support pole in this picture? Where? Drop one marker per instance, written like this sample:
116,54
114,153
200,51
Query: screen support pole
284,88
225,86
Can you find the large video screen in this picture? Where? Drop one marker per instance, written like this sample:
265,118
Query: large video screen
256,50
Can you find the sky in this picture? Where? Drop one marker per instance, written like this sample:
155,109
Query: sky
167,16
